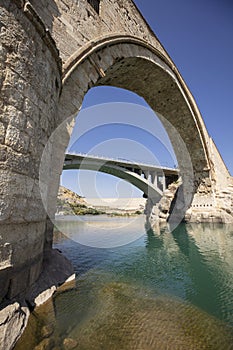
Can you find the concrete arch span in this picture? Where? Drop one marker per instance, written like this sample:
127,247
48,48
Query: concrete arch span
133,178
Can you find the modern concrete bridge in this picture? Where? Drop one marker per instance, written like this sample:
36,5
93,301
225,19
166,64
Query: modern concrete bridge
152,180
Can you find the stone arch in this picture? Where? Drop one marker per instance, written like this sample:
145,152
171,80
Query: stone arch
131,63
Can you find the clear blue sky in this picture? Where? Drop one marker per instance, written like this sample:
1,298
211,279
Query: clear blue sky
198,35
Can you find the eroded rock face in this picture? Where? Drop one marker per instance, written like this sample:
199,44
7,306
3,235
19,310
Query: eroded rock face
159,213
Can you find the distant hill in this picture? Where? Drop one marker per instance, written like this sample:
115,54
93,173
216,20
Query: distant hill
70,203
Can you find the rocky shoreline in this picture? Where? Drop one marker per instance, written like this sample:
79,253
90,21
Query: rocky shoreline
14,314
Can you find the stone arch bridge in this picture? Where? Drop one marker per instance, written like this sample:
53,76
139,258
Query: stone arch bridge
51,53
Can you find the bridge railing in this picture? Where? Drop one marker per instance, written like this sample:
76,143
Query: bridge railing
123,160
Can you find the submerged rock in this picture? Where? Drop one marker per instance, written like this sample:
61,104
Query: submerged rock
125,317
46,331
69,343
103,315
45,344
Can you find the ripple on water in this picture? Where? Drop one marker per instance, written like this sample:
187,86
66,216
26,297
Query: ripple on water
102,314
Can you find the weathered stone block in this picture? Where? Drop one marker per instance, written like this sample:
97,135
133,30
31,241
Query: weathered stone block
3,153
19,141
2,132
16,118
19,210
36,212
35,271
6,207
12,96
21,163
24,237
5,255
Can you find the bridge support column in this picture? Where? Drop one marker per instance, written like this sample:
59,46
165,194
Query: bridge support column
162,181
146,174
154,178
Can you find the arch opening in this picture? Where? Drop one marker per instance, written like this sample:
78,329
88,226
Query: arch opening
127,130
137,68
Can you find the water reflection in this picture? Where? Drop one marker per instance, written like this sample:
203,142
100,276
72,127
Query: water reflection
103,231
213,262
204,251
166,290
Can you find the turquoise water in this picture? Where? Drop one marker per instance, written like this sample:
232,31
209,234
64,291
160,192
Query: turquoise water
162,290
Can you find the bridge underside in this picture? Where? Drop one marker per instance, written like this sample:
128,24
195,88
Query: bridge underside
153,184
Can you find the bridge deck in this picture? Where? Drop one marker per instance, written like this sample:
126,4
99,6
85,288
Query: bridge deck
124,163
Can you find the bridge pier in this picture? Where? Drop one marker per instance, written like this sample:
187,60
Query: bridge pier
30,83
162,181
27,118
154,178
146,174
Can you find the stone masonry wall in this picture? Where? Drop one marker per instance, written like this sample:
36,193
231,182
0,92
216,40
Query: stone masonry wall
73,23
30,84
75,26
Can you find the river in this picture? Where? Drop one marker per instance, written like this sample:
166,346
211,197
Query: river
139,289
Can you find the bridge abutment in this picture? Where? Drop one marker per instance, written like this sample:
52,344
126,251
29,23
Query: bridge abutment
213,195
209,199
